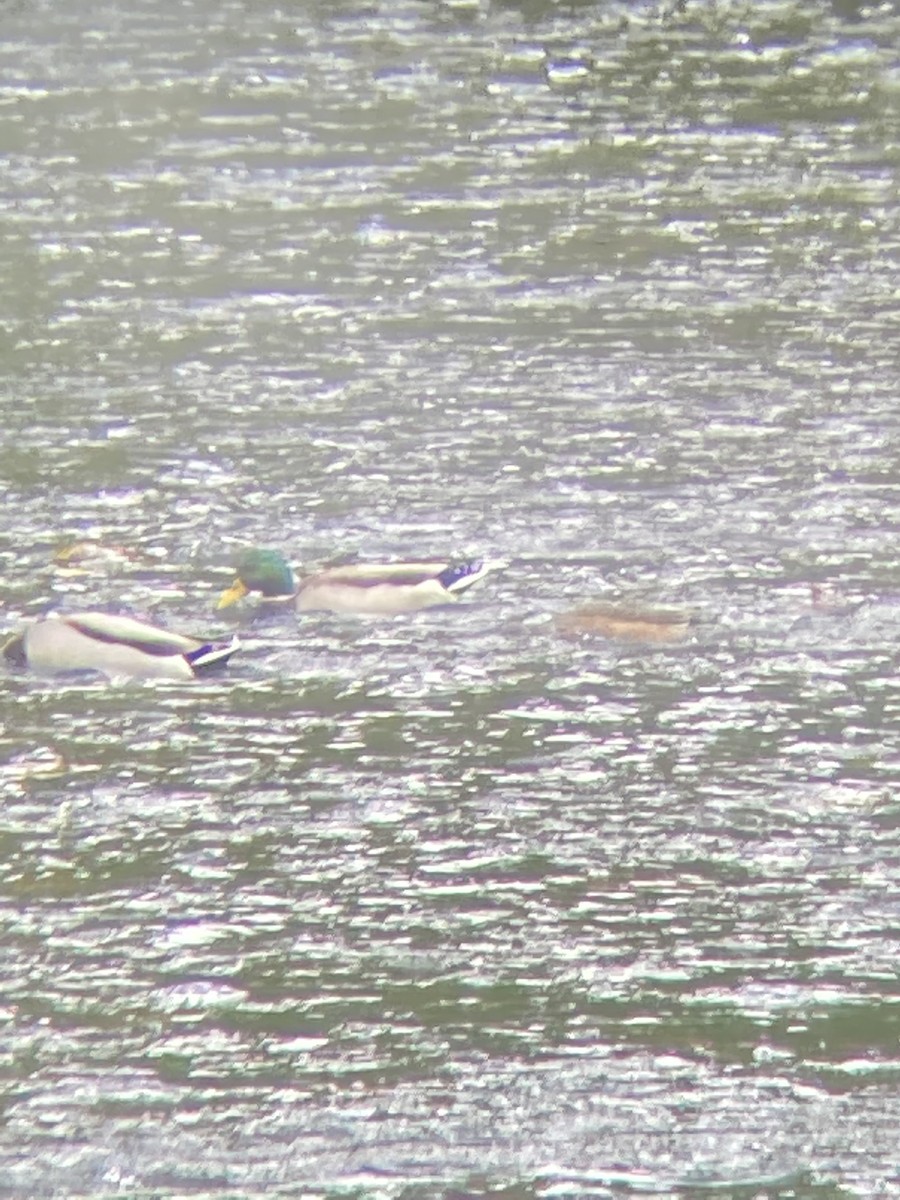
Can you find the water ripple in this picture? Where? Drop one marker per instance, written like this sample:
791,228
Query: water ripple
455,903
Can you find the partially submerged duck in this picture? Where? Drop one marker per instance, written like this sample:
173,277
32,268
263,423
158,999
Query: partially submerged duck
369,589
626,622
90,557
92,641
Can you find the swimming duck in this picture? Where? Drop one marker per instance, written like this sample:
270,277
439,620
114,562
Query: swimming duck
90,557
368,589
92,641
626,622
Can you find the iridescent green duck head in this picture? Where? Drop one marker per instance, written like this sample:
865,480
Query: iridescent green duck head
262,571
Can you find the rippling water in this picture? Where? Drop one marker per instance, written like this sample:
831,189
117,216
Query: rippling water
455,905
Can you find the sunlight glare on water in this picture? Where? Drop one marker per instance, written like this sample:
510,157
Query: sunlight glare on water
476,901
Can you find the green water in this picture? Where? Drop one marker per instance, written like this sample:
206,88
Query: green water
453,905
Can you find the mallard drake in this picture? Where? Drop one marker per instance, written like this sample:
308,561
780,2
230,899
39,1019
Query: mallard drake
626,622
368,589
92,641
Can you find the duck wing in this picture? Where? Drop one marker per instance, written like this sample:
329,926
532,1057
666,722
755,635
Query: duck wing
106,629
366,575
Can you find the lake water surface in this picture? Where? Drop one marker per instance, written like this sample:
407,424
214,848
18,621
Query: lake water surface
454,905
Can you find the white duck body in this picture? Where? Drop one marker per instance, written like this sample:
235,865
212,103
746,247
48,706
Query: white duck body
377,589
113,645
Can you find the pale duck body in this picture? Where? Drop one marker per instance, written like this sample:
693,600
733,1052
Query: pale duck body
379,590
114,646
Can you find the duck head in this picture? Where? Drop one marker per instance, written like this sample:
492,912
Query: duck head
263,571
